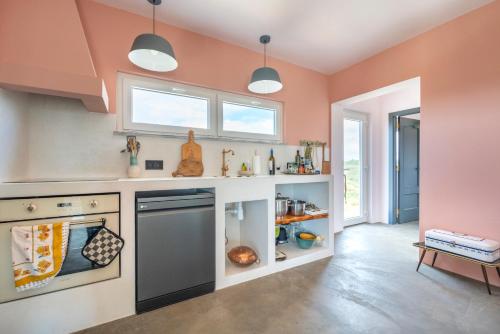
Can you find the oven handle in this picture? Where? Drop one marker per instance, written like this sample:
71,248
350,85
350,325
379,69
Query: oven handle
92,221
102,221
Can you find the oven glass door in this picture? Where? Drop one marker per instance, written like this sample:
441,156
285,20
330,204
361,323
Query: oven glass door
79,235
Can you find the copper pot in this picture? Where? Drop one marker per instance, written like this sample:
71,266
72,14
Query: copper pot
243,256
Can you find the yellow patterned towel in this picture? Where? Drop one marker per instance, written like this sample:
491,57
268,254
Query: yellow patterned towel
38,253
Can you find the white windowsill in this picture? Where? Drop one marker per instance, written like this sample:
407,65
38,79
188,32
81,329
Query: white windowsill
197,136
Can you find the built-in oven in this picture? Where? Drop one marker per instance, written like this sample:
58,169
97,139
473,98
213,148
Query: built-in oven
85,214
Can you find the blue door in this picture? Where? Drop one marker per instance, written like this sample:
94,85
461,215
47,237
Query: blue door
409,167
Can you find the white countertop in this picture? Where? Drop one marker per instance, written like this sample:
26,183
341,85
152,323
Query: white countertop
230,177
49,187
278,177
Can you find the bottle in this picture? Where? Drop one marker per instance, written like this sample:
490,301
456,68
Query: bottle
297,158
256,164
302,168
272,164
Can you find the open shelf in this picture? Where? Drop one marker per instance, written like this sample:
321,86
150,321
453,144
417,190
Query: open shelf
288,219
232,269
246,228
318,194
293,251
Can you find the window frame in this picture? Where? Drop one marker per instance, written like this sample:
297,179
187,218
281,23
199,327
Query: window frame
126,82
251,102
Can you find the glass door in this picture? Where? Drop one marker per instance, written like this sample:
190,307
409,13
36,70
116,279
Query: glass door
355,168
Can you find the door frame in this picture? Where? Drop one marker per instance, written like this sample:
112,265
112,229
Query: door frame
337,142
364,118
393,173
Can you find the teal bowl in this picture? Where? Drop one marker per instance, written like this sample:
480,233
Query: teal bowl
302,243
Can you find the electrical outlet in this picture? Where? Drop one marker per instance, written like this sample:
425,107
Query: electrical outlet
154,164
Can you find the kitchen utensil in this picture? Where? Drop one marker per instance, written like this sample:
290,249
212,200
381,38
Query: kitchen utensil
282,236
133,147
297,207
305,243
245,173
243,256
325,165
191,161
103,247
281,206
294,227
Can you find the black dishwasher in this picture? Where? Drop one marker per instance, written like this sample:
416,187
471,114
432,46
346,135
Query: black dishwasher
175,246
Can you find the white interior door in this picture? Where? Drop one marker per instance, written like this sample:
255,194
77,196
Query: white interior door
355,167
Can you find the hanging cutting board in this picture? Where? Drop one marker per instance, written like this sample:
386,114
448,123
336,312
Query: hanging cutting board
191,162
325,165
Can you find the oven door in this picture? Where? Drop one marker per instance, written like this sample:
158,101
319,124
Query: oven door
76,269
79,235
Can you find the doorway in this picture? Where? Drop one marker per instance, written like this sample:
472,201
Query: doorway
404,162
376,205
355,168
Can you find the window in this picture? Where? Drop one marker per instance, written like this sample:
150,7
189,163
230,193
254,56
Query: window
154,107
163,107
167,108
249,117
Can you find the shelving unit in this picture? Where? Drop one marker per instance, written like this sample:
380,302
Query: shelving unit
249,231
317,193
256,228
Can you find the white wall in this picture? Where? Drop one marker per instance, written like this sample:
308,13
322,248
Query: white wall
13,135
67,141
378,109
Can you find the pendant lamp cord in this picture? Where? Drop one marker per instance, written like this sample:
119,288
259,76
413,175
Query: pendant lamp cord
154,14
265,54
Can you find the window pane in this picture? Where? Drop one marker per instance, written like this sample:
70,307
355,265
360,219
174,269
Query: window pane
352,170
241,118
154,107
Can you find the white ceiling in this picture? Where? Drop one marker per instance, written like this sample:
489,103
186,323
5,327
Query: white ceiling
324,35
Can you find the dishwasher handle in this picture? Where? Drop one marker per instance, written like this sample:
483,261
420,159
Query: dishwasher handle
173,212
173,205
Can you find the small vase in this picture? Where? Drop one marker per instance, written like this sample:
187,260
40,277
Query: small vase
133,170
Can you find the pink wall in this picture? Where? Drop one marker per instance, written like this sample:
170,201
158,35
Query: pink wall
43,50
206,62
459,66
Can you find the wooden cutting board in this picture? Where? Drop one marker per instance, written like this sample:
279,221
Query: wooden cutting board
191,160
325,165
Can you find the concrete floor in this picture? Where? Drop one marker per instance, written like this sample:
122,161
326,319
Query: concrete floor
369,286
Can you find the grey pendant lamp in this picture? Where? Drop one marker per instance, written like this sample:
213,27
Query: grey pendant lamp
152,52
265,80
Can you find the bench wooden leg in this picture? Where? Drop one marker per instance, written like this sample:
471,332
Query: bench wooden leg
421,258
486,279
434,258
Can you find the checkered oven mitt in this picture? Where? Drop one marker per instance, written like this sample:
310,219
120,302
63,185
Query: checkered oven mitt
103,247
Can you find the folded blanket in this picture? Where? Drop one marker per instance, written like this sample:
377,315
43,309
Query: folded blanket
38,253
